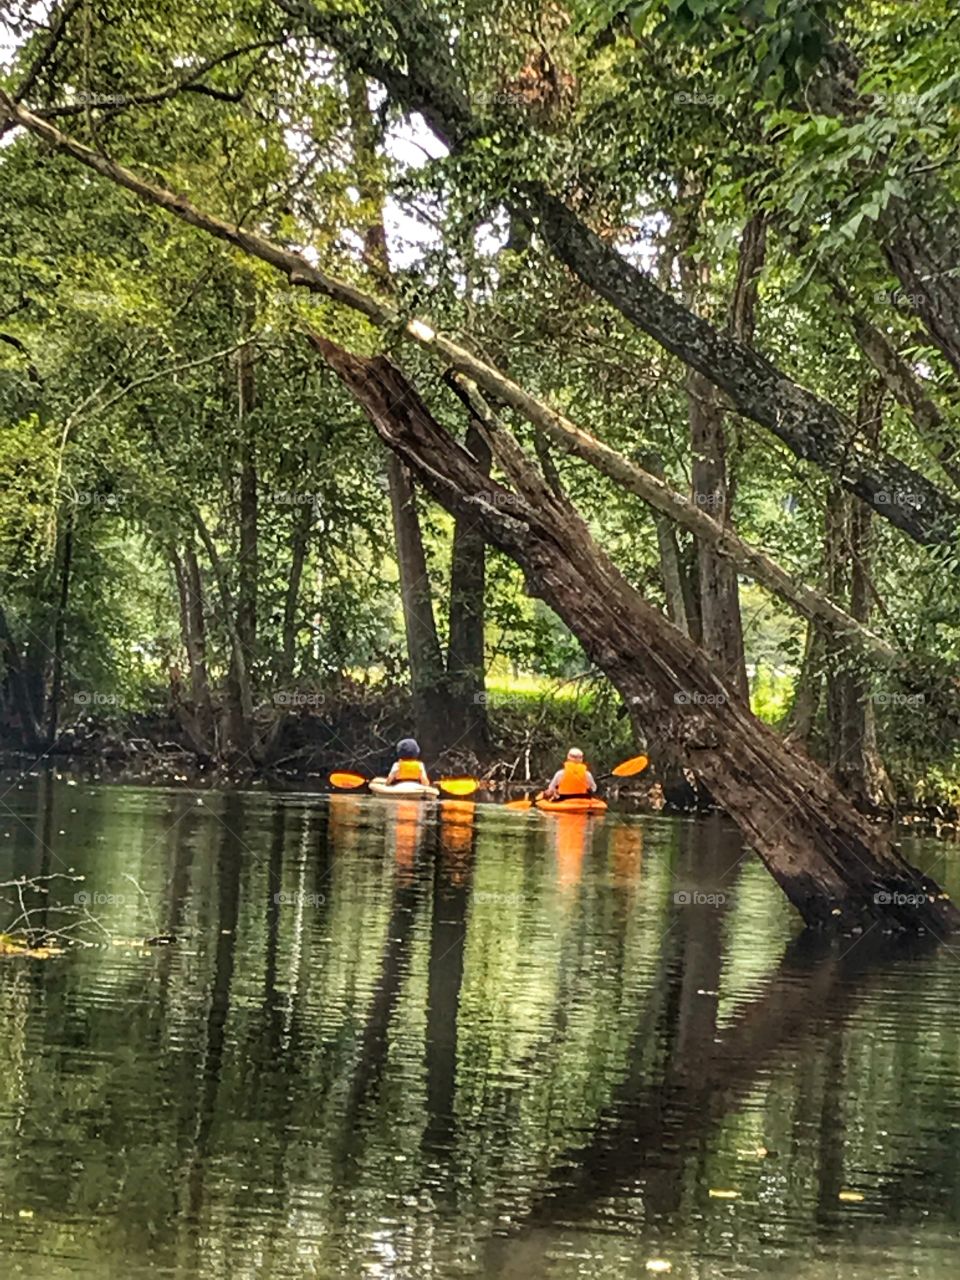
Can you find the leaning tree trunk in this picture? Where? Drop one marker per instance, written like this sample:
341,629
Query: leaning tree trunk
831,863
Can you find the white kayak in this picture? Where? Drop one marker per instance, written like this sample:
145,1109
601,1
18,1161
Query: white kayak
403,790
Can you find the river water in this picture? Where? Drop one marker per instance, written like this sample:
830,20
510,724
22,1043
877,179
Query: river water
394,1041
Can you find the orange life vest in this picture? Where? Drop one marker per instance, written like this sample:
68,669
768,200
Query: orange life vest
408,771
574,780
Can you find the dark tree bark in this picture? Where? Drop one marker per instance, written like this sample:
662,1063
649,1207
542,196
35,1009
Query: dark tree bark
466,651
427,672
834,866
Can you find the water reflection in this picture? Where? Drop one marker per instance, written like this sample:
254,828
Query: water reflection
408,1041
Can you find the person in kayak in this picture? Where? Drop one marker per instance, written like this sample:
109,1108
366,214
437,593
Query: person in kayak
573,781
408,768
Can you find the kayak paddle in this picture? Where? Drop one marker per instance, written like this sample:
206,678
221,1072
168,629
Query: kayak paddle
625,769
346,781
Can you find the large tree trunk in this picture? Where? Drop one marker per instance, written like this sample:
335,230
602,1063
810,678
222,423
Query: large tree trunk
832,864
466,652
427,674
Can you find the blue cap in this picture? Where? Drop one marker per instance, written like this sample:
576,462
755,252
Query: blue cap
408,749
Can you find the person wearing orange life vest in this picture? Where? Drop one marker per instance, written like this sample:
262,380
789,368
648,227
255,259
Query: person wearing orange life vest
408,768
573,780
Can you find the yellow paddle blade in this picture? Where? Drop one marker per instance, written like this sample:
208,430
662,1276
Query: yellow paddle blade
348,780
627,768
519,805
458,786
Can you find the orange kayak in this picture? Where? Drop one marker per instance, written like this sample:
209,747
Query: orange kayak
586,804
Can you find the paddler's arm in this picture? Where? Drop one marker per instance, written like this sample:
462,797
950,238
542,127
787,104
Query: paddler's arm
591,784
553,785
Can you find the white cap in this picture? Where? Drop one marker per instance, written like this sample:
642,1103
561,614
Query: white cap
574,754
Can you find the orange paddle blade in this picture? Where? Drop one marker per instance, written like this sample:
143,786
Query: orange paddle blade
348,780
458,786
627,768
519,805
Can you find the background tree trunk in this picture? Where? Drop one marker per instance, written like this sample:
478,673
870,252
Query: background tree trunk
852,752
65,559
427,674
197,720
466,652
721,627
303,523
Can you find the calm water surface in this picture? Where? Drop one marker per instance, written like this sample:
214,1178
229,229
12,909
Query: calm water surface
392,1041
